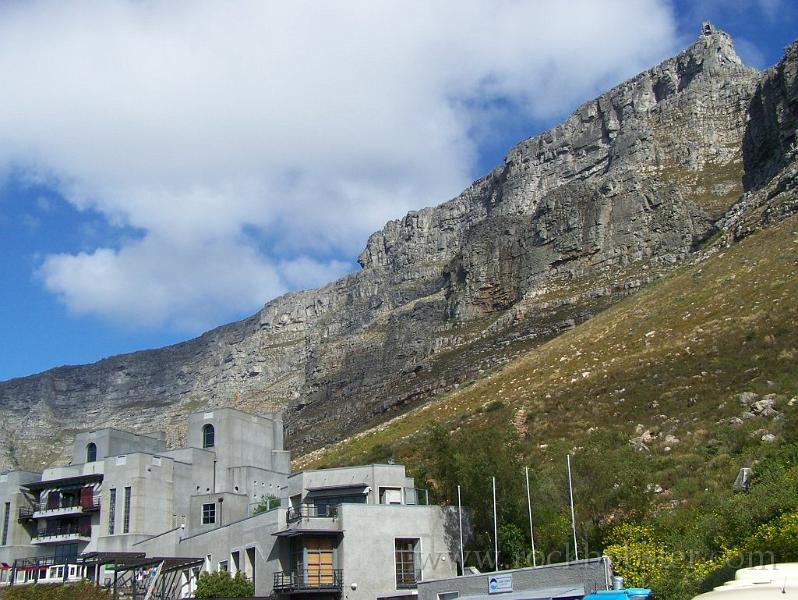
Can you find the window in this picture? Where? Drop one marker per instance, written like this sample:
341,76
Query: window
326,506
91,452
5,523
126,519
223,566
390,495
208,436
448,595
408,563
112,512
66,552
208,513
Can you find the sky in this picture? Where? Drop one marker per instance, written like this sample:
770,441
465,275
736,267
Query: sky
168,167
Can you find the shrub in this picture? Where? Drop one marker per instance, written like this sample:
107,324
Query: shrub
220,585
266,504
70,591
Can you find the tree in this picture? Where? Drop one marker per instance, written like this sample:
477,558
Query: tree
220,585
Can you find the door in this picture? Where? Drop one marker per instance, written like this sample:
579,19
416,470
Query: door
319,562
86,496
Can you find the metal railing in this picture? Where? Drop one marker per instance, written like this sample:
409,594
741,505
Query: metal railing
309,580
407,579
86,505
25,513
63,531
311,511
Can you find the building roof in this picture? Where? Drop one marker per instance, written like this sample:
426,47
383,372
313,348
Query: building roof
534,594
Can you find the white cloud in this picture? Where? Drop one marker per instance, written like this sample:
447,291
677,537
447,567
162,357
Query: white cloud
243,137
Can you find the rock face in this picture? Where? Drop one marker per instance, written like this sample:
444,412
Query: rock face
575,219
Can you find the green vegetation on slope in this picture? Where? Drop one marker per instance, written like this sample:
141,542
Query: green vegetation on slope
646,396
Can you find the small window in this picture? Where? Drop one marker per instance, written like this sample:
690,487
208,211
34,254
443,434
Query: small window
408,563
223,566
448,595
208,436
208,513
91,452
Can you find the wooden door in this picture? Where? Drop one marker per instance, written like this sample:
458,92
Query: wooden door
319,562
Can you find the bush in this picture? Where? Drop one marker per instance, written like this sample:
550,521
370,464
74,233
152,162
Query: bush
220,585
70,591
267,503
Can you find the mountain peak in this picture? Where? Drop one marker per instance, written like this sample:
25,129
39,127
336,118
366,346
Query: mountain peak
714,48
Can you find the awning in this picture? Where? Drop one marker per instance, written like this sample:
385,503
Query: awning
127,561
298,532
104,558
337,490
62,483
170,563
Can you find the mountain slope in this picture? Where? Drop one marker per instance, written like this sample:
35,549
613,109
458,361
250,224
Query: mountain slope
574,220
701,358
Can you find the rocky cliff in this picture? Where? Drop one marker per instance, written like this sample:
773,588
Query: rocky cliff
573,220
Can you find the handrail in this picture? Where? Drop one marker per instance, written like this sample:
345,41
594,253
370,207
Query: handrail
59,531
43,506
311,511
309,579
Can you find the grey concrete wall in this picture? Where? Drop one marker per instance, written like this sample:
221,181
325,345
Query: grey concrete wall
94,468
218,545
256,483
112,442
374,476
18,535
241,439
232,508
366,553
151,480
591,574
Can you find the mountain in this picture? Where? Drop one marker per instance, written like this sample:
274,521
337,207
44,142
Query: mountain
618,195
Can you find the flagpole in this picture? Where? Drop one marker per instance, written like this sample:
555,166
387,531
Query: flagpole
573,516
460,518
529,506
495,528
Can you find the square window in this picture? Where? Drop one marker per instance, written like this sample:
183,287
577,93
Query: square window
208,513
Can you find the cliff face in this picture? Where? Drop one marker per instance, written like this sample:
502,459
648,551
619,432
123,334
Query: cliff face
574,219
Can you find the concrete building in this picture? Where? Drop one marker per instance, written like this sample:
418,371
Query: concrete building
364,530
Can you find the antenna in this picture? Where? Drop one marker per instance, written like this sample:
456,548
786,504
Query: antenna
495,527
529,506
573,516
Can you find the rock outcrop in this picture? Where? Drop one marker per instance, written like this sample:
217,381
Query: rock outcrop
574,219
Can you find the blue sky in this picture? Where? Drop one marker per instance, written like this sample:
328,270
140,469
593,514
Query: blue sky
166,168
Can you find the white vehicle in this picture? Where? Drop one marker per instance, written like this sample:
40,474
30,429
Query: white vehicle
779,580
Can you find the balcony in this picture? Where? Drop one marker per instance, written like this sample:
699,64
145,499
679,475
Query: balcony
311,511
85,505
25,514
321,580
62,534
